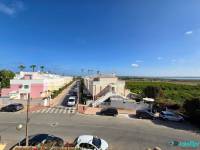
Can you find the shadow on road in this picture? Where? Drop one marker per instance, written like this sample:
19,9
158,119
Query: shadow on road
178,125
186,126
64,102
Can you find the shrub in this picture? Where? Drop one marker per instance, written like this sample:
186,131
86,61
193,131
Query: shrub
153,92
192,109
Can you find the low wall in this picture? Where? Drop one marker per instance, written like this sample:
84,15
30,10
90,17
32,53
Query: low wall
83,109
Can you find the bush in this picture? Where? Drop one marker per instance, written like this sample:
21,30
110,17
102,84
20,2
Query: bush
153,92
192,109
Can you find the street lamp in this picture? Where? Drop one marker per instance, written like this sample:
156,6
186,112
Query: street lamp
18,128
27,118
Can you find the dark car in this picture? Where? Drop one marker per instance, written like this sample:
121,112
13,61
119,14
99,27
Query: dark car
111,111
144,114
45,139
12,107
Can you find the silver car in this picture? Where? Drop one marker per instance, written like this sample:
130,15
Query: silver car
171,116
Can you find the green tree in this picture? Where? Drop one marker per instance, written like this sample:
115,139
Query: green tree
21,67
5,76
33,67
153,92
42,68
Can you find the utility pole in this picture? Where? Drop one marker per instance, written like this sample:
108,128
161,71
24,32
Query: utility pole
78,92
27,118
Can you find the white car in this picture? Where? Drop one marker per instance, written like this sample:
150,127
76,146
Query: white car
171,116
89,142
71,101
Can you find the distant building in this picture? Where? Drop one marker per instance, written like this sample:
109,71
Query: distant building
101,85
37,84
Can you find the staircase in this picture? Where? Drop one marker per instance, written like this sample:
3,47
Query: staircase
104,98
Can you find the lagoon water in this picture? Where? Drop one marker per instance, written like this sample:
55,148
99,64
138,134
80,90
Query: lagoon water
182,78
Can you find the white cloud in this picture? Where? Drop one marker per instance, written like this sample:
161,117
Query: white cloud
159,58
188,32
135,65
12,8
139,61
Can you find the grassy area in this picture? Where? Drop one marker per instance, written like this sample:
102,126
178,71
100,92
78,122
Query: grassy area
174,92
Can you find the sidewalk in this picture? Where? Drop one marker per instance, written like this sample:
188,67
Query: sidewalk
56,101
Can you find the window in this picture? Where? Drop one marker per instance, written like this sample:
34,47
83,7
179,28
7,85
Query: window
96,142
26,86
86,145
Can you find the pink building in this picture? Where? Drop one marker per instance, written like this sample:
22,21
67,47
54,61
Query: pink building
37,84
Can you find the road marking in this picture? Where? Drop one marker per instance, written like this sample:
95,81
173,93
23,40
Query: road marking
56,111
60,111
48,110
43,110
51,111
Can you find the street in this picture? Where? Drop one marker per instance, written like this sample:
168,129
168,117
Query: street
121,133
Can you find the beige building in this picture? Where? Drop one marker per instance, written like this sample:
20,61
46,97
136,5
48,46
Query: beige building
105,86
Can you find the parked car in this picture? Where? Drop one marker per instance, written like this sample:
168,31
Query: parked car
171,116
144,114
12,107
90,142
110,111
71,101
46,139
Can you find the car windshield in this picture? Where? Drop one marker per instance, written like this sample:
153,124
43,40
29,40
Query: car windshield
71,100
97,142
39,138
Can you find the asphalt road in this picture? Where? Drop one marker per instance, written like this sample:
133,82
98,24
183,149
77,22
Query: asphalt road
120,133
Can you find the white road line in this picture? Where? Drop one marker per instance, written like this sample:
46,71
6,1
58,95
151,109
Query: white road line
68,111
48,110
56,111
51,111
64,112
60,111
43,110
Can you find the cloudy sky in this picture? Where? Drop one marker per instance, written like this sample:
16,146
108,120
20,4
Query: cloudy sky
128,37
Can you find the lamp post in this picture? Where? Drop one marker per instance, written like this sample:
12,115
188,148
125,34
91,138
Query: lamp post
49,97
18,128
27,118
78,93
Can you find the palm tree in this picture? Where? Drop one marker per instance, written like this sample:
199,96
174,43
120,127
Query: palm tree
42,68
21,67
33,67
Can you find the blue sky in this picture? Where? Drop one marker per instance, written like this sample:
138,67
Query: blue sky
128,37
